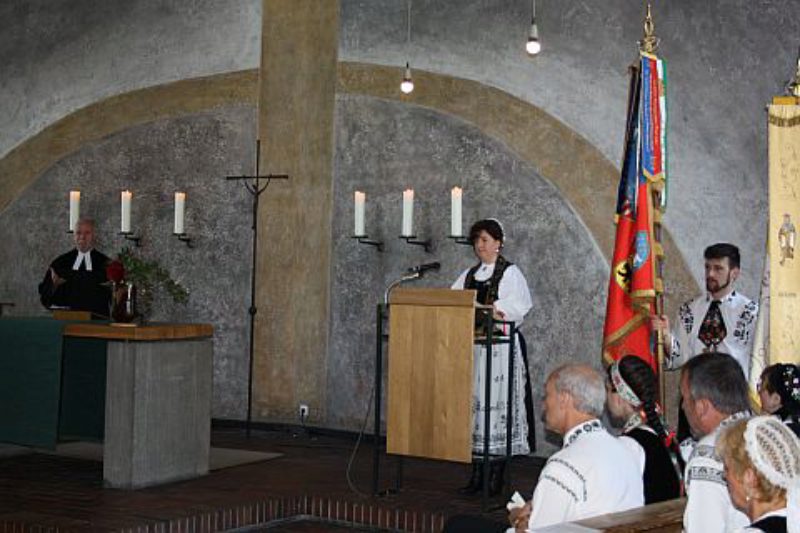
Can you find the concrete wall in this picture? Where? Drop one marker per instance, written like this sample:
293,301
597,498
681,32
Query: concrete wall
57,56
726,59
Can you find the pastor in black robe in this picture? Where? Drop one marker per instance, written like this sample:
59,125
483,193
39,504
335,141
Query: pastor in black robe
82,290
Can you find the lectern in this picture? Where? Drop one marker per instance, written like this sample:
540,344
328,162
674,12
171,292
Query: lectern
429,396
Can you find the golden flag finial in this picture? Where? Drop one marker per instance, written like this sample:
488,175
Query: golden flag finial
649,43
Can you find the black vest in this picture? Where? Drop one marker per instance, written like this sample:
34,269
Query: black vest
771,524
487,289
660,480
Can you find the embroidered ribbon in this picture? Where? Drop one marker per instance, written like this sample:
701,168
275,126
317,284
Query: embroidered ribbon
622,387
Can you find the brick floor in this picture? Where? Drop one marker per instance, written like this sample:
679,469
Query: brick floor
293,493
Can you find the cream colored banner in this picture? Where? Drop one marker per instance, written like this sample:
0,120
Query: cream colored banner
784,213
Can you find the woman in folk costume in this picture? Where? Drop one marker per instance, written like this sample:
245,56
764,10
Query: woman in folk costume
762,468
498,283
631,401
779,392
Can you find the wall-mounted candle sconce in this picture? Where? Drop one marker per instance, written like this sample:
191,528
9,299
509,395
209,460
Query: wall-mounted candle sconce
359,232
407,233
180,211
126,198
456,229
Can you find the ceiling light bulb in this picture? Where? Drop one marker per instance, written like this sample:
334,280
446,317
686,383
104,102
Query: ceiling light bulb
407,85
533,45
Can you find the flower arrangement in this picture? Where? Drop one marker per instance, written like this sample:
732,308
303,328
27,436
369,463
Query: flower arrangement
147,276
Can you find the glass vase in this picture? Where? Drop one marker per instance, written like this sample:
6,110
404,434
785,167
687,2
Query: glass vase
123,302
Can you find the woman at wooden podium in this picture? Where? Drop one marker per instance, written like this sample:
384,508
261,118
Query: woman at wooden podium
499,283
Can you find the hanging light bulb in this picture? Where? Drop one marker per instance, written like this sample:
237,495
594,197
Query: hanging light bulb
533,46
407,85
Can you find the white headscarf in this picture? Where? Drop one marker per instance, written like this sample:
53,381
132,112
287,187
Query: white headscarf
775,452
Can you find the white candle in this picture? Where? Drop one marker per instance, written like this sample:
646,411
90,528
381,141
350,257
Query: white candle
455,212
74,208
408,213
125,198
360,201
180,207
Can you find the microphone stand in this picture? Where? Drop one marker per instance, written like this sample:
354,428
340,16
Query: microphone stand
255,189
378,385
406,277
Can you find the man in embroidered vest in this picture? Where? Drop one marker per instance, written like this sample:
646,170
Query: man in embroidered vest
714,394
593,473
75,280
722,320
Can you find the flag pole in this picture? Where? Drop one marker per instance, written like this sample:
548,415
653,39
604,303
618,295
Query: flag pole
649,45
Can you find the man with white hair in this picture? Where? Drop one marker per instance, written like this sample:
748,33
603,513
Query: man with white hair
593,473
77,279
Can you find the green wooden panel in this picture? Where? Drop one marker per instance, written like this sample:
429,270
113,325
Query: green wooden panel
30,380
51,387
83,389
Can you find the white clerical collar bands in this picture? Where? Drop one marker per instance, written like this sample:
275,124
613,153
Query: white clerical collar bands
590,426
83,257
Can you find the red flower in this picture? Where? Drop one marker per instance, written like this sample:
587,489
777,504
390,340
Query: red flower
115,271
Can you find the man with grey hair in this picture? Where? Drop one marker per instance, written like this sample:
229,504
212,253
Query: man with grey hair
76,280
593,473
714,392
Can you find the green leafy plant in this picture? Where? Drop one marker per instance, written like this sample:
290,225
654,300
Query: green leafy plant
150,277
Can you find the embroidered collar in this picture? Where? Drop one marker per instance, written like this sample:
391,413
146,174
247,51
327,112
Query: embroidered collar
590,426
722,300
733,418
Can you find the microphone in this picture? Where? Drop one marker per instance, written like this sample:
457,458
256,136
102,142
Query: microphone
421,269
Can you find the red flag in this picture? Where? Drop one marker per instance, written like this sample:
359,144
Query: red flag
632,285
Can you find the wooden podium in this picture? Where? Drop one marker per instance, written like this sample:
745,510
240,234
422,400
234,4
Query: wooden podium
429,396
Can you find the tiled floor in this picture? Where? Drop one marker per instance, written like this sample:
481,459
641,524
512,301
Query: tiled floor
40,492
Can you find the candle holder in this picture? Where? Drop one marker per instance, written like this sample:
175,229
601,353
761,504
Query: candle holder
131,237
184,238
460,239
364,239
412,239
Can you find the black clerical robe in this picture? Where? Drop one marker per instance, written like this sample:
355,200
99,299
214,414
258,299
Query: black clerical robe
82,290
